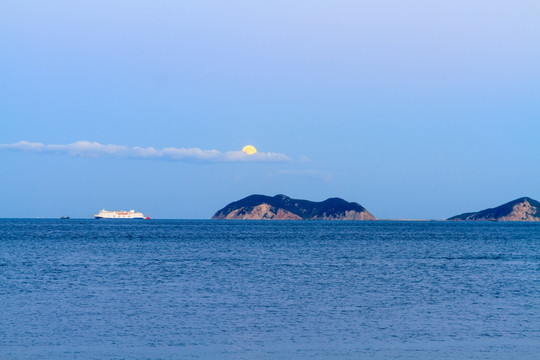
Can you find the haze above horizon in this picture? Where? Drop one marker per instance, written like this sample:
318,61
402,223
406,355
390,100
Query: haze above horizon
412,109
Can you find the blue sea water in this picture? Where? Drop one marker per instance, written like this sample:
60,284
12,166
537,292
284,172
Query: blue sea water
173,289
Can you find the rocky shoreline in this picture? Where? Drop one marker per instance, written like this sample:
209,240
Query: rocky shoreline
281,207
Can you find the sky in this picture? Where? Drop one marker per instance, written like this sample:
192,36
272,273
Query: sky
413,109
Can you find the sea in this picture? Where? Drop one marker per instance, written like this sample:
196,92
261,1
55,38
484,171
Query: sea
210,289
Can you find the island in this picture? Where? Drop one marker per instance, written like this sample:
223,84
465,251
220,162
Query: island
522,209
281,207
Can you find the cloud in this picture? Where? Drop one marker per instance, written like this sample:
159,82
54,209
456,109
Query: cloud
95,149
304,158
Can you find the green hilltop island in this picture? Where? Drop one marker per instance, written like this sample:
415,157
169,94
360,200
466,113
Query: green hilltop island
522,209
281,207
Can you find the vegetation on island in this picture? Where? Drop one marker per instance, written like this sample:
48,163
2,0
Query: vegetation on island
281,207
522,209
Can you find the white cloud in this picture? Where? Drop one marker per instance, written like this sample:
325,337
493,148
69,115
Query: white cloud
95,149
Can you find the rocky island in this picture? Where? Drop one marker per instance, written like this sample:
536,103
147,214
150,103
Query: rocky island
281,207
522,209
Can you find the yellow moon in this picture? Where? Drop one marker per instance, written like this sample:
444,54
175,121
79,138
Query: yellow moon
249,149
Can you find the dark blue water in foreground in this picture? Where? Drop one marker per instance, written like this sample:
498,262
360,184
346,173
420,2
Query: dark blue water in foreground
91,289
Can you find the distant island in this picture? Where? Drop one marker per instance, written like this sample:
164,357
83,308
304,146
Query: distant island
522,209
281,207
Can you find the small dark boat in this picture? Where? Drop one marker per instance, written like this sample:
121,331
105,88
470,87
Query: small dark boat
64,217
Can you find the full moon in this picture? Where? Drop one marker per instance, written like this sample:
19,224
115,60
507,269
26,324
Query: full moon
249,149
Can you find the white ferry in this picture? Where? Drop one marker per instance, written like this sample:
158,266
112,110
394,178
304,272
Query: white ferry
122,214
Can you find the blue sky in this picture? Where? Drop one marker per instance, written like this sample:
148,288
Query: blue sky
413,109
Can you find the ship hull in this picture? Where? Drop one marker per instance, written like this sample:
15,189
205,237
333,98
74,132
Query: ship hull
119,217
104,214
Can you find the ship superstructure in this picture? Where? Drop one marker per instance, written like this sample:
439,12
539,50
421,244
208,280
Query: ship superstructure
122,214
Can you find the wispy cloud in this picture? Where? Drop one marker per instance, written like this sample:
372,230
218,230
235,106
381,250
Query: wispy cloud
95,149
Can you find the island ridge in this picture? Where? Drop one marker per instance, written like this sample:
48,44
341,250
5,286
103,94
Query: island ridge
522,209
281,207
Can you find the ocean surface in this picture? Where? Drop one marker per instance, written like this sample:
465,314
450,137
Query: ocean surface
182,289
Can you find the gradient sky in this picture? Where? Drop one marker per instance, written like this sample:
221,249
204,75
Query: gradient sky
414,109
